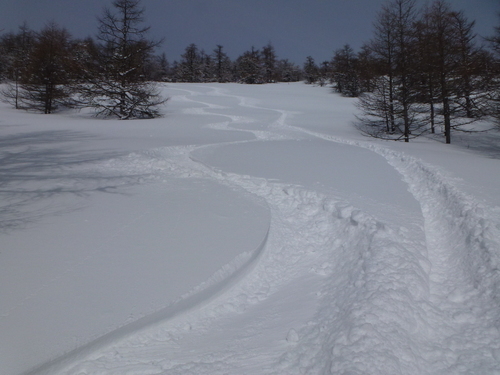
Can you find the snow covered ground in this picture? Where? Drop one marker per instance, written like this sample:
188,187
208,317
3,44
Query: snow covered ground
252,230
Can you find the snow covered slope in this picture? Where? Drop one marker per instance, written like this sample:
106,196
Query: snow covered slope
251,230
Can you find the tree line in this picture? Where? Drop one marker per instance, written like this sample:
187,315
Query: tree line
423,71
47,70
253,67
117,73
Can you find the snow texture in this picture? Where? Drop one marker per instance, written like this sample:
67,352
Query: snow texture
251,230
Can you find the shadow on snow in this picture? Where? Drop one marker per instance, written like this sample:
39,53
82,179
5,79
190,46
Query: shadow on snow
36,166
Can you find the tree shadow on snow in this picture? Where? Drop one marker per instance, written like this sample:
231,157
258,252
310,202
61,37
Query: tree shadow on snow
37,166
487,144
484,143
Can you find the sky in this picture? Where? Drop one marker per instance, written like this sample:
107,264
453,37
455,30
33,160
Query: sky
296,28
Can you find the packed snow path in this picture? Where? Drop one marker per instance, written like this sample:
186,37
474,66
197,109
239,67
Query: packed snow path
374,262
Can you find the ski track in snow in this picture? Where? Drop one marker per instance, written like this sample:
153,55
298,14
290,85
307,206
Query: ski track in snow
376,299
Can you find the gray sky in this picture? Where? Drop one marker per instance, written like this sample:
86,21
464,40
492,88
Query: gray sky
296,28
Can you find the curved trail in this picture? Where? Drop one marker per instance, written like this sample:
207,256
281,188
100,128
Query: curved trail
335,289
461,250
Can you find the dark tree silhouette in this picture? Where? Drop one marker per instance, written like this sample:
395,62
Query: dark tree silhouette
119,87
43,83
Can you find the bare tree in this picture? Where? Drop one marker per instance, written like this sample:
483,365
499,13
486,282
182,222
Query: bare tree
367,68
15,54
269,60
119,87
393,106
383,47
43,84
222,65
468,54
494,75
207,67
376,108
250,68
157,68
190,68
451,50
404,19
288,71
345,71
427,76
311,70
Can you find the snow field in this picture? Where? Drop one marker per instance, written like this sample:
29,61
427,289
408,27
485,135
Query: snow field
462,261
374,261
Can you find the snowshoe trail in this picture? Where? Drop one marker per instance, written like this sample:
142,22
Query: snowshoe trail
462,263
333,289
